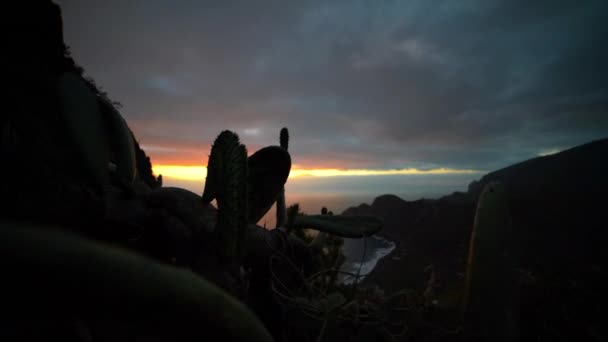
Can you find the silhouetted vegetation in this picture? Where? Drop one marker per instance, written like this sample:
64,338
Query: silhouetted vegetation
91,239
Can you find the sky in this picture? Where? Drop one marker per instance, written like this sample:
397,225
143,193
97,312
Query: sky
465,86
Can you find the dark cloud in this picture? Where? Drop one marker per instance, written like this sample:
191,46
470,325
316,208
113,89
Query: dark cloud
361,84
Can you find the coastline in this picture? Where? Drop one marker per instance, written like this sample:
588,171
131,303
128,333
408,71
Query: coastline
362,256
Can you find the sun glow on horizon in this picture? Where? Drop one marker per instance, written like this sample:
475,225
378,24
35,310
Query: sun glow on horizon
376,172
185,172
182,172
548,152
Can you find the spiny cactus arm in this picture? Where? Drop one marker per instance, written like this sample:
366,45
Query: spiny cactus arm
284,138
344,226
222,144
84,123
281,208
227,183
120,138
47,273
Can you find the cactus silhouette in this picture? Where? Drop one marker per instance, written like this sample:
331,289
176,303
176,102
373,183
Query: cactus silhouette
284,138
268,171
281,207
100,281
340,225
490,276
227,183
84,124
104,144
121,142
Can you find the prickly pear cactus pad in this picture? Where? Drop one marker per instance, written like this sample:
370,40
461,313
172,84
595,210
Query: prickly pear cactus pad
84,124
49,273
281,206
343,226
268,171
490,277
121,142
489,236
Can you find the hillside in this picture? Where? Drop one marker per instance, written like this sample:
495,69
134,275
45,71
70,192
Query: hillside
580,170
557,205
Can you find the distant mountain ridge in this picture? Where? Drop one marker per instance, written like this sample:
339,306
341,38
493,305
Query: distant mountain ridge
581,169
558,206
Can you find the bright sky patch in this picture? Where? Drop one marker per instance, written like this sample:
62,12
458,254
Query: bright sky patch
200,172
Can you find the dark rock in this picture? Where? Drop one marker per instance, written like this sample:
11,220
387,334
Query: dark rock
557,208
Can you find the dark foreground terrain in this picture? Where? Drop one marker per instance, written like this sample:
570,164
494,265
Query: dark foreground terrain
94,248
560,227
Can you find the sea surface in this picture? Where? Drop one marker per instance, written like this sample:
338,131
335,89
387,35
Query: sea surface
362,255
339,193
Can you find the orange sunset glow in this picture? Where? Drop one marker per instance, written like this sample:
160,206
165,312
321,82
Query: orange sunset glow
377,171
184,172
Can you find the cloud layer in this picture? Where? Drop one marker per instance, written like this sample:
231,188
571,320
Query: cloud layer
361,84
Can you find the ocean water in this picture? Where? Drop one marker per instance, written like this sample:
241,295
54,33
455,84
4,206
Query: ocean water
362,255
312,205
339,193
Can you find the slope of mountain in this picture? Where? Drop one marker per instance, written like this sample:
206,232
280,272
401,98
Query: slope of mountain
560,223
577,171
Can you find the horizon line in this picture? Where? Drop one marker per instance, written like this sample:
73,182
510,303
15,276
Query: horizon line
195,172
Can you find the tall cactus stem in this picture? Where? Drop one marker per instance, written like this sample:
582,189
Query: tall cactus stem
227,183
281,207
